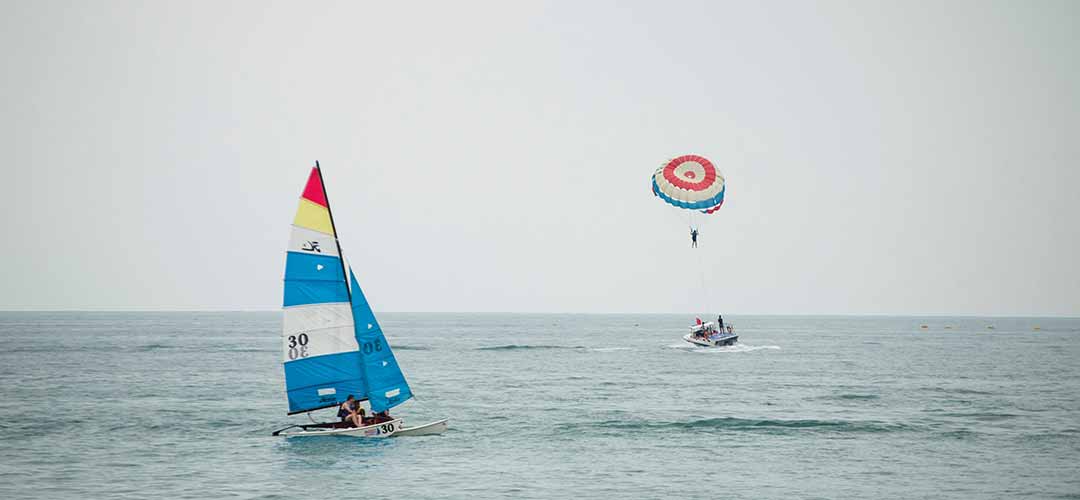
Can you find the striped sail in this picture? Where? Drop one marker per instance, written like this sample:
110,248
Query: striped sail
321,355
386,384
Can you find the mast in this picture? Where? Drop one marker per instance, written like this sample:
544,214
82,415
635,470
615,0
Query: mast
341,256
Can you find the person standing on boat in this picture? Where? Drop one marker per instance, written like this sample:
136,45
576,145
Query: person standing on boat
693,237
720,322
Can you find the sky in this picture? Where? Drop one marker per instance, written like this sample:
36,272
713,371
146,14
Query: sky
880,157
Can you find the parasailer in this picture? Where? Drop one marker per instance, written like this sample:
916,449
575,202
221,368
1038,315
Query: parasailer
692,184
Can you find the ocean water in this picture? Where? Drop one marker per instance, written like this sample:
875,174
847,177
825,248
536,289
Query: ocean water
181,405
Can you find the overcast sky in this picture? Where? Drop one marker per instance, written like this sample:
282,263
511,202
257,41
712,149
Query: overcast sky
898,157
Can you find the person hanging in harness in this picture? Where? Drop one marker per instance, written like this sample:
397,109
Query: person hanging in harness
693,237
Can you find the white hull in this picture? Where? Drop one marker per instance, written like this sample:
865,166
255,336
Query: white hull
385,429
437,427
713,342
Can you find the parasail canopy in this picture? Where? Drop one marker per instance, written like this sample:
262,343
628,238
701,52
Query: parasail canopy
690,182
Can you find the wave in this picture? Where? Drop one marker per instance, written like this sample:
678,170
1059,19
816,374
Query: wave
157,347
958,390
411,348
856,397
609,349
959,434
515,347
761,425
983,416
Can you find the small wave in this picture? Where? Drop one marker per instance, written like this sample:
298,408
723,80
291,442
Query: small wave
984,416
857,397
609,349
762,425
960,434
957,390
411,348
515,347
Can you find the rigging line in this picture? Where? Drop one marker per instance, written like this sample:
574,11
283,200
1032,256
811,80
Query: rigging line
706,293
333,228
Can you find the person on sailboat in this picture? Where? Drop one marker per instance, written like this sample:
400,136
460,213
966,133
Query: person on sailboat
693,237
382,416
350,411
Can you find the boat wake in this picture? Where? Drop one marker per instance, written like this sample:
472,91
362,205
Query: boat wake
725,349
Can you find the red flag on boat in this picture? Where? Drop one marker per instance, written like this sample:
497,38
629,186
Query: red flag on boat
698,320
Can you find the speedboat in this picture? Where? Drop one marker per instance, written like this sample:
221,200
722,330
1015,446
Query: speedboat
707,335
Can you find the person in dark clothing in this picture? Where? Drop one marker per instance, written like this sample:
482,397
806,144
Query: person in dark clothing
693,237
382,416
349,411
720,322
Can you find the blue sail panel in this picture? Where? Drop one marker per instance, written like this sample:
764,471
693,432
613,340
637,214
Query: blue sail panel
313,279
314,292
323,381
307,267
387,387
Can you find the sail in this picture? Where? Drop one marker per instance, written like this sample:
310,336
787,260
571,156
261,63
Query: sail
387,387
321,356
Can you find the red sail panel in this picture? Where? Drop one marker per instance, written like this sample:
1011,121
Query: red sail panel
313,192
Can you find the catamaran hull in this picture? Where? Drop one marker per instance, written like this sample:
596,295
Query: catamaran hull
385,429
718,342
437,427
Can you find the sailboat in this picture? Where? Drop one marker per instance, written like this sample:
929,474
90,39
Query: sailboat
333,347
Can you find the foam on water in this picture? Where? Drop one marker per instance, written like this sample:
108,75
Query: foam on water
738,347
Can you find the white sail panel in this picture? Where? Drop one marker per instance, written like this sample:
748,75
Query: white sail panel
304,240
311,343
316,330
307,317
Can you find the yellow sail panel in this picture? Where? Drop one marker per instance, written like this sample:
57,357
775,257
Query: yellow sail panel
313,216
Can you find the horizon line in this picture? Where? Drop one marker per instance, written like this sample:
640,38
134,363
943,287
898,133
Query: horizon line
822,314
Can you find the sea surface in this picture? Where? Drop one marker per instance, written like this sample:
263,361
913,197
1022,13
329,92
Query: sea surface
181,405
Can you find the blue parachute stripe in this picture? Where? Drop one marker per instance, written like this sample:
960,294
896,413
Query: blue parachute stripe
697,205
340,371
380,367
